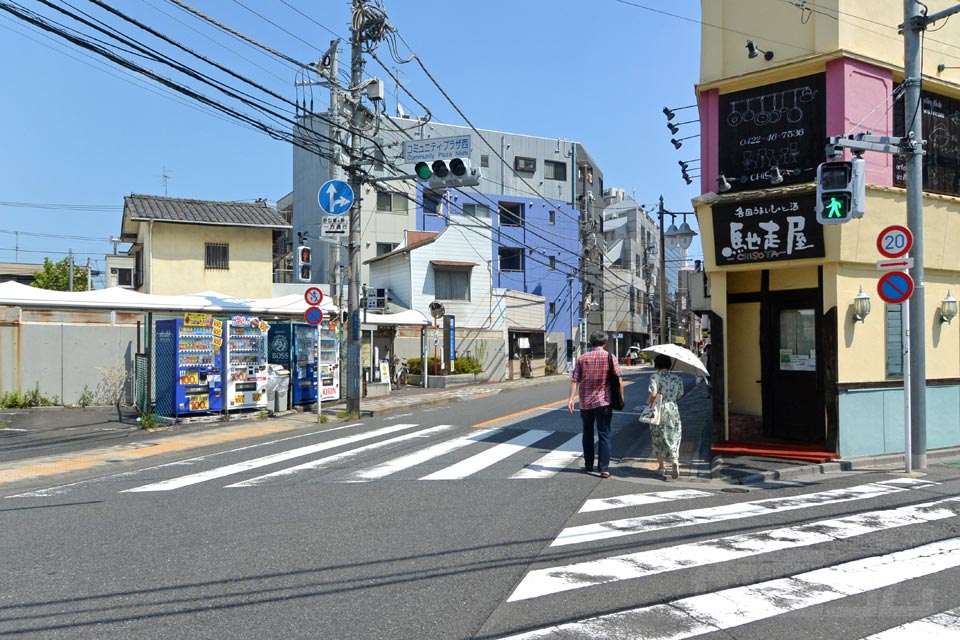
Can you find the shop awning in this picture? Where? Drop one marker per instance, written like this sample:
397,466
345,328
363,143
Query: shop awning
407,318
453,263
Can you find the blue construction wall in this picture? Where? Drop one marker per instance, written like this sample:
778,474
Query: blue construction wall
871,420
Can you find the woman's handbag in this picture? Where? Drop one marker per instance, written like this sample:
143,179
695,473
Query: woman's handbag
651,412
613,381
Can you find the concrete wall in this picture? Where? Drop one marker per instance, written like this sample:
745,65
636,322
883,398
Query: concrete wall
60,358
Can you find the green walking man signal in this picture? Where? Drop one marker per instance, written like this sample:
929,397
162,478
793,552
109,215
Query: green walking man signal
840,191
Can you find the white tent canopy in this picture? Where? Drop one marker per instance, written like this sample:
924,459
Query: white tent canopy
409,317
15,294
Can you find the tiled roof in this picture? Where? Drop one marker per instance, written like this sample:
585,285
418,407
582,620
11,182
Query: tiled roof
230,214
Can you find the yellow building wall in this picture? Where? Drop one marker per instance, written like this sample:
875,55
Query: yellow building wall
179,254
743,359
862,346
866,29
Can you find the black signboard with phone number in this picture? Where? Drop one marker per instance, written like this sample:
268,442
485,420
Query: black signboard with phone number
780,125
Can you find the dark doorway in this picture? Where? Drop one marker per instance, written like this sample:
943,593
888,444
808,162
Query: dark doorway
792,406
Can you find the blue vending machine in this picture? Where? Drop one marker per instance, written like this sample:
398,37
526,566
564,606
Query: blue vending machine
188,365
295,347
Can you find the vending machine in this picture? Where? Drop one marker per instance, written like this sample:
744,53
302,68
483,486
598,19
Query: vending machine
295,347
245,363
329,362
188,365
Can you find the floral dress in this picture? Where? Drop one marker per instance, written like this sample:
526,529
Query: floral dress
666,435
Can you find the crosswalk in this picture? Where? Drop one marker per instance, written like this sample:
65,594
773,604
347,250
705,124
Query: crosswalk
759,600
413,452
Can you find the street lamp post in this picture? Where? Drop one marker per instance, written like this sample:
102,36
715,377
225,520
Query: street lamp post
676,237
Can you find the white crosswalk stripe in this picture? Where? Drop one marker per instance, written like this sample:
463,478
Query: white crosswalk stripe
554,462
737,606
240,467
638,499
489,457
942,625
340,457
544,582
643,524
419,457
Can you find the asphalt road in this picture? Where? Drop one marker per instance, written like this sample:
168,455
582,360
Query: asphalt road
416,526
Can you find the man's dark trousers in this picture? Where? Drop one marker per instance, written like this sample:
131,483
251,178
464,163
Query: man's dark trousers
601,417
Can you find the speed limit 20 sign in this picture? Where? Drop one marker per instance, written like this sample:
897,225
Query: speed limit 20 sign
895,241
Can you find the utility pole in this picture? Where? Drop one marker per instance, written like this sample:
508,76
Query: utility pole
70,270
663,277
353,269
913,25
89,279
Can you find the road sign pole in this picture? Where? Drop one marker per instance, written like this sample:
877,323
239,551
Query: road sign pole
353,267
907,422
913,25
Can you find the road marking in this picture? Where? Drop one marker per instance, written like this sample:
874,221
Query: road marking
730,608
65,488
637,499
710,515
340,457
519,413
489,457
240,467
418,457
543,582
941,625
552,463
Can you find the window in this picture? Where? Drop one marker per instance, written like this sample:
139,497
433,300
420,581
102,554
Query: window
217,256
554,170
552,217
553,262
431,203
528,165
484,161
553,309
391,201
138,269
511,259
894,324
511,214
476,210
386,247
451,284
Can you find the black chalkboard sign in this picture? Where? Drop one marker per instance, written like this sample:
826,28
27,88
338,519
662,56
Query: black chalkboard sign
941,129
784,228
779,125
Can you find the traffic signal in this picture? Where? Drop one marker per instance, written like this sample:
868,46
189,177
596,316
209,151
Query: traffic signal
303,263
448,174
841,190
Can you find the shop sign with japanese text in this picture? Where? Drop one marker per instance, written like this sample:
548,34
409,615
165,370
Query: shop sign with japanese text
768,230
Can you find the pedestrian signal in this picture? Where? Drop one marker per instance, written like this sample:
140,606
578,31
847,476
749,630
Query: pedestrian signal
840,191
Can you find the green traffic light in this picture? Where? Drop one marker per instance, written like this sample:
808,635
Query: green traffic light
836,207
423,171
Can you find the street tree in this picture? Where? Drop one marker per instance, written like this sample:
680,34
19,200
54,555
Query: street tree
56,276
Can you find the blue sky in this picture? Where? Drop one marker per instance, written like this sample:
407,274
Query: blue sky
78,131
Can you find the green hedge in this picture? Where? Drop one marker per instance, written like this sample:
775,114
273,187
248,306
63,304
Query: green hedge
461,365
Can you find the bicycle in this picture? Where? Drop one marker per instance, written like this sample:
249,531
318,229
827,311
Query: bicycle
401,373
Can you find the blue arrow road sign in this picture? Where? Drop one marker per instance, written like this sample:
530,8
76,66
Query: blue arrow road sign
335,197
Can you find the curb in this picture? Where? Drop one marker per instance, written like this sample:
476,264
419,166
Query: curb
851,464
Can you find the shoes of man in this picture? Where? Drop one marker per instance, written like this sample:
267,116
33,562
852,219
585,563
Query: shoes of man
675,470
604,474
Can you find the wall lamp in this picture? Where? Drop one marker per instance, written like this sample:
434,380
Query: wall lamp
948,309
724,184
667,111
942,67
689,179
752,50
861,306
676,127
686,163
679,142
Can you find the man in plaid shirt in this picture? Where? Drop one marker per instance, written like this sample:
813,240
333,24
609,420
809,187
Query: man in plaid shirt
590,380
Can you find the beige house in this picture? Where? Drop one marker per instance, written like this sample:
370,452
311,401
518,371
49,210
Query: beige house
184,246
